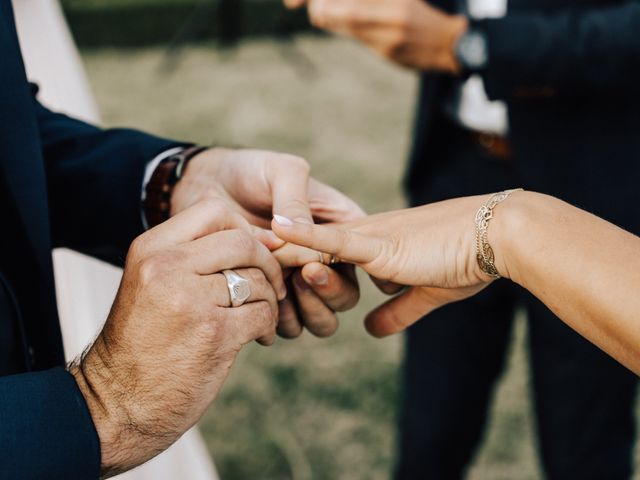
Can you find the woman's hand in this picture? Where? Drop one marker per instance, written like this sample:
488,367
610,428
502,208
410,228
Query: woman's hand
430,248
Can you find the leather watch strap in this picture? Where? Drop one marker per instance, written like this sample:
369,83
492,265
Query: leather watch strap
157,201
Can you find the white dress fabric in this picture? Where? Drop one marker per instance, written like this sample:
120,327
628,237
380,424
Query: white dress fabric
86,287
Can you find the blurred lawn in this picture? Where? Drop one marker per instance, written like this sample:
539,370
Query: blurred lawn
308,409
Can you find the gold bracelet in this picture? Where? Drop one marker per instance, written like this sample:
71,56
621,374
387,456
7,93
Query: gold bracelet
484,252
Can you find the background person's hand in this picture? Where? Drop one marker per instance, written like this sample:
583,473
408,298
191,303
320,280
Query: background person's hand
431,248
411,33
171,336
258,184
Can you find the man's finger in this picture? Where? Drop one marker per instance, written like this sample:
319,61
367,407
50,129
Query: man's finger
289,182
328,205
336,286
267,238
289,325
252,321
217,290
319,319
203,218
349,246
290,255
233,249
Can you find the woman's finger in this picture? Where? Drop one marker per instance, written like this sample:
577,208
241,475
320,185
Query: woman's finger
399,313
407,308
349,246
385,286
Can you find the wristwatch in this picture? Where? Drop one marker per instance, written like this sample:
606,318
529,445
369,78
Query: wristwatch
472,51
157,202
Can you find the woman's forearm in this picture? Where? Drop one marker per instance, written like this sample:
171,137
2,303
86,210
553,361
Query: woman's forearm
583,268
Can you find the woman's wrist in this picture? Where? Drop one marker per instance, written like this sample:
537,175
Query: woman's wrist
511,230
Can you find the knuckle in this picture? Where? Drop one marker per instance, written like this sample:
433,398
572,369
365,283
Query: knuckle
265,318
149,269
139,245
213,326
257,278
211,195
157,268
293,163
213,207
245,242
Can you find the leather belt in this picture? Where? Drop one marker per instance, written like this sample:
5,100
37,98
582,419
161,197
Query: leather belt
494,145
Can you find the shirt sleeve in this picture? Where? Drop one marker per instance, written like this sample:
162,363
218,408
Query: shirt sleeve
148,172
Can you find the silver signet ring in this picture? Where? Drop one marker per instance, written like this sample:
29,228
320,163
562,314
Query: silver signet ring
239,288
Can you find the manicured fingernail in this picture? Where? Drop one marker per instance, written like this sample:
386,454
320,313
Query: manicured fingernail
321,278
303,220
300,283
284,221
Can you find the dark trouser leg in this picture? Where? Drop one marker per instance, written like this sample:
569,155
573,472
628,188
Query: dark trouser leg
584,403
453,358
454,355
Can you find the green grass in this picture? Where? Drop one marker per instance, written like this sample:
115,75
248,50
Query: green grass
127,23
308,409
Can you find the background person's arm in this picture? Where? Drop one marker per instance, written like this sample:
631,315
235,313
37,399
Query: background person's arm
571,51
582,267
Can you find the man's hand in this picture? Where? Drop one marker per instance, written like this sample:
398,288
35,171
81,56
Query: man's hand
171,336
259,184
411,33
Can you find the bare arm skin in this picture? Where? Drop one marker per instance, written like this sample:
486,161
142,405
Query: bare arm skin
583,268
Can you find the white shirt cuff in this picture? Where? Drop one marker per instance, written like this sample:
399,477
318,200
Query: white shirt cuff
148,172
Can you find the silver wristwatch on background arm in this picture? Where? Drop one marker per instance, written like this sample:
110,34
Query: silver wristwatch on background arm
472,51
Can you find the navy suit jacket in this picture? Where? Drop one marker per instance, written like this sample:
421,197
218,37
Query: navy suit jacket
569,72
63,183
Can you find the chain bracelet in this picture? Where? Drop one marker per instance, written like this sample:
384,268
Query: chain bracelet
484,252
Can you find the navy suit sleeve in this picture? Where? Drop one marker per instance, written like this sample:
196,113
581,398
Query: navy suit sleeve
578,51
94,180
45,428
